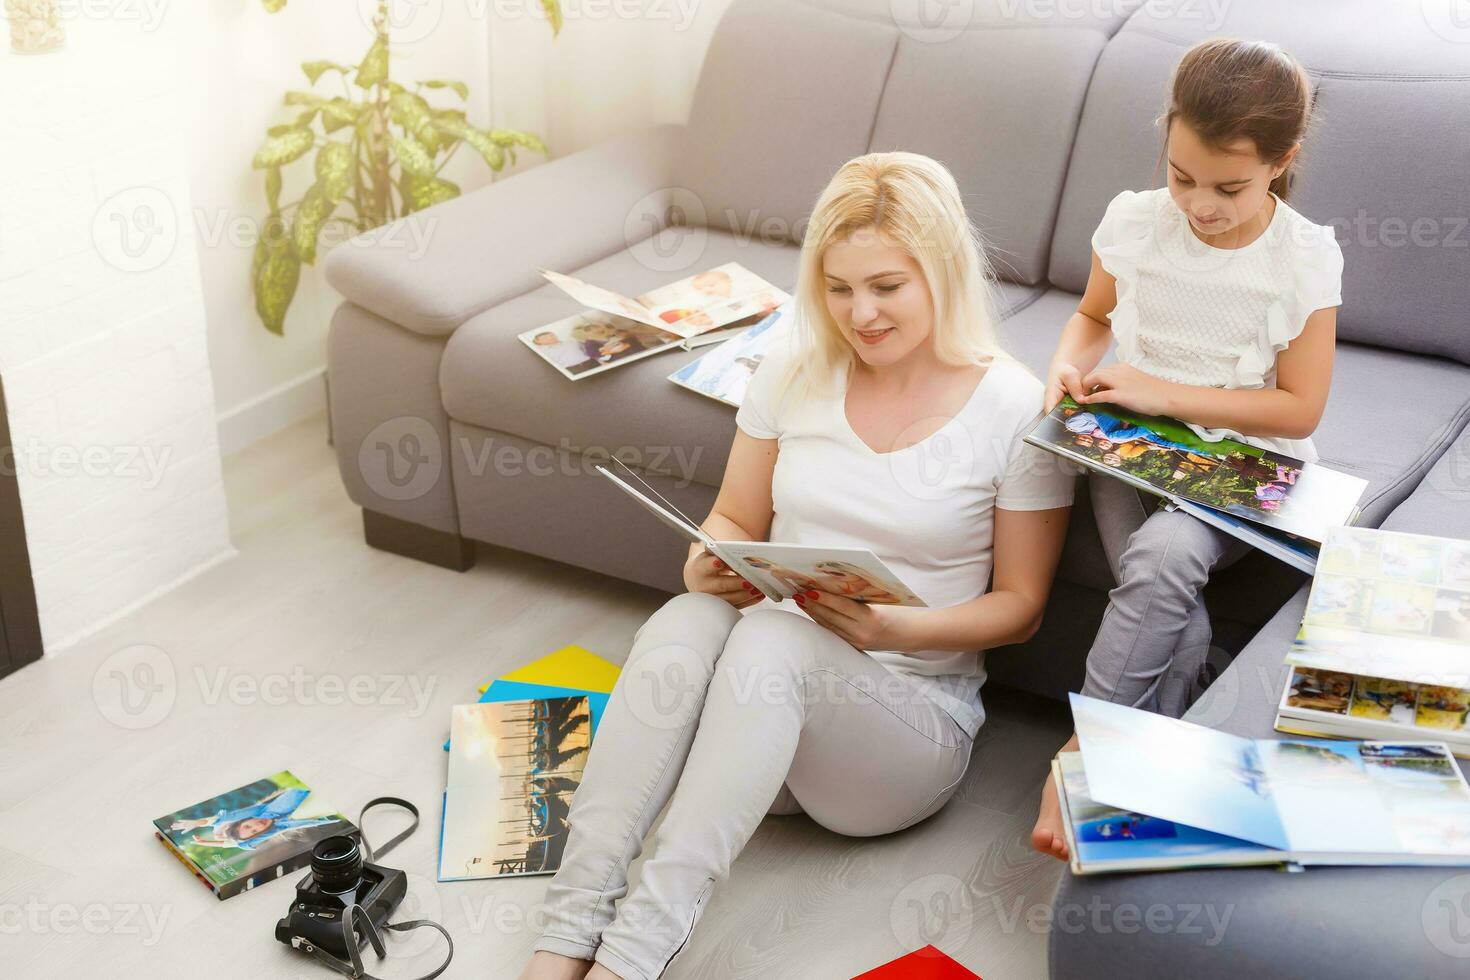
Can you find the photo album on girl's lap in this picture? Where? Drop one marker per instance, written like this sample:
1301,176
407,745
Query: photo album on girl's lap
618,330
1279,504
779,571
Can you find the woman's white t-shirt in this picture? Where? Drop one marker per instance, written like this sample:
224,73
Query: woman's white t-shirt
1193,314
927,510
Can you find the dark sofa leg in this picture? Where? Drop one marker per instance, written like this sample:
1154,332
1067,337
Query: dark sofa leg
412,540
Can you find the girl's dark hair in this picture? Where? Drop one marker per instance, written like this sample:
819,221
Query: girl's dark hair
1226,89
238,833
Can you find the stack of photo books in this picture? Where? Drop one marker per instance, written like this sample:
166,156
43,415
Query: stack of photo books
1148,792
724,373
250,835
569,672
779,571
1281,505
1384,648
618,330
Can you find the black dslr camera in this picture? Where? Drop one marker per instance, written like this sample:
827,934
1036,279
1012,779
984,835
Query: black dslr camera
340,879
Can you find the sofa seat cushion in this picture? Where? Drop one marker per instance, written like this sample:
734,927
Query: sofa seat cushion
490,379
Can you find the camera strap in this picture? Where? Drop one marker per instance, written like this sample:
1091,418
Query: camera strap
355,912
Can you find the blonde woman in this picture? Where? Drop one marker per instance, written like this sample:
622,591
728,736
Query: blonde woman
893,423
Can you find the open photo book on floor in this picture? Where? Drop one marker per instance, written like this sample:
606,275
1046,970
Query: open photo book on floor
513,767
1154,793
1277,503
779,571
1384,647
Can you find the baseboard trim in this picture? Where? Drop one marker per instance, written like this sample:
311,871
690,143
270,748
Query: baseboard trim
271,411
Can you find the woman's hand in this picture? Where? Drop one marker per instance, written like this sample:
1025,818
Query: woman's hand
703,572
1127,387
865,625
1064,379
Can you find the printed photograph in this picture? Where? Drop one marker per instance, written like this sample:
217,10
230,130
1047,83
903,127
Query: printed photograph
1354,551
1454,571
514,766
1384,700
590,343
1443,708
1452,616
1414,762
842,578
1410,558
1337,600
1401,607
252,828
1320,690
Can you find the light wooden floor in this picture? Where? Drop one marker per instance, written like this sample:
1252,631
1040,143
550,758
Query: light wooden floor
85,890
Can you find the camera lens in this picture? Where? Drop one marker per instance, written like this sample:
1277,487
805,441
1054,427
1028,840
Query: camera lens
336,865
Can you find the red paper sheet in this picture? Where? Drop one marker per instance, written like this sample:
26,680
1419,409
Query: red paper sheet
922,964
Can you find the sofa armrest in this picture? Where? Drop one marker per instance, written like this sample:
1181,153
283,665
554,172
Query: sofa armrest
432,271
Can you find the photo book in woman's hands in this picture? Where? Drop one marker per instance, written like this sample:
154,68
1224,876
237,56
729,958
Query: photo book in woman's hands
779,571
1280,504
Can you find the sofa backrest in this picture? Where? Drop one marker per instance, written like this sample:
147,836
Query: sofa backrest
791,89
1387,162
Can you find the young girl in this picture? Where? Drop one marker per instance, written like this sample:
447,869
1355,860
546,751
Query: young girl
892,423
1221,300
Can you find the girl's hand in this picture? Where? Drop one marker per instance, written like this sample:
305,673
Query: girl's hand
1064,380
703,572
864,625
1127,387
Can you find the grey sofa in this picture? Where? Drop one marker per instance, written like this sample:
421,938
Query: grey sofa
448,431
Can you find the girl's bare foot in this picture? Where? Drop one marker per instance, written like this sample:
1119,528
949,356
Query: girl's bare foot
1047,836
553,966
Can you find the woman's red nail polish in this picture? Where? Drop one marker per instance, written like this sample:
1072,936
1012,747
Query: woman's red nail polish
800,599
719,564
811,595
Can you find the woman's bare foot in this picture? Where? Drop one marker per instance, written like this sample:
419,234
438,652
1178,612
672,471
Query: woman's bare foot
553,966
1047,836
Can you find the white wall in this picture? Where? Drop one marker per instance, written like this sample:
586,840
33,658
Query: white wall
102,328
239,61
617,65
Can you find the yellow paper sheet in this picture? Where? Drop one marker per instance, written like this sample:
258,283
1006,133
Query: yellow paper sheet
571,666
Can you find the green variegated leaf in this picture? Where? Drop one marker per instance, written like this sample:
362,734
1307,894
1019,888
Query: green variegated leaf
476,138
338,113
412,157
283,147
273,188
374,67
514,137
460,87
316,69
421,192
277,272
334,163
302,98
304,120
415,115
314,209
552,9
273,6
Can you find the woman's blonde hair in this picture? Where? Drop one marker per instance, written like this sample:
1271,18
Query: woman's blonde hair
913,202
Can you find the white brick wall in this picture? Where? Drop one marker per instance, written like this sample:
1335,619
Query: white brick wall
102,328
